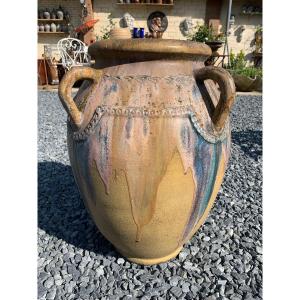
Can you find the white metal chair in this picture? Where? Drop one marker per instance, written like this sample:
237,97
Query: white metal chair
73,53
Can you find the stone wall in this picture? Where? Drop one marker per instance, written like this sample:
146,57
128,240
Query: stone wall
72,6
106,10
242,32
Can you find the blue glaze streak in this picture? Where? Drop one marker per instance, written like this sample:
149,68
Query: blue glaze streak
212,178
104,150
196,93
185,137
128,127
206,163
82,171
110,89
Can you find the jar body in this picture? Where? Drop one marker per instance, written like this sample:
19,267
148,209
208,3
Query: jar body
147,161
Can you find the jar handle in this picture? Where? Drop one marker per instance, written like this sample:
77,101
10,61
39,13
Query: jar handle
227,97
65,89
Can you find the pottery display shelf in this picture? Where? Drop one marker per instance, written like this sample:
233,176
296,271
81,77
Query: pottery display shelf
145,4
51,32
51,20
149,141
251,13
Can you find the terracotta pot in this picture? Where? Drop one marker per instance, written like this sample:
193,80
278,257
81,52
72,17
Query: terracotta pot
246,84
120,33
147,147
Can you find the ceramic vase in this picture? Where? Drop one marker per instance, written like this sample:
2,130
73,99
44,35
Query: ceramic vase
148,141
53,14
47,27
41,27
60,14
53,27
46,14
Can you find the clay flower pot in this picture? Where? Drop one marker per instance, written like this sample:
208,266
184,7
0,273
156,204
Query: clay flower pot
148,147
247,84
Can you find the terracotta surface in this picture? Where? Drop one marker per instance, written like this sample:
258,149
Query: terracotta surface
147,143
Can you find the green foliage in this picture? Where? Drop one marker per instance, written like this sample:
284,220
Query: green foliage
259,29
237,61
251,72
238,66
204,34
105,32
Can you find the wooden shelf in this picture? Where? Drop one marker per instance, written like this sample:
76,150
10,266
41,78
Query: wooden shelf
251,14
52,20
146,4
50,32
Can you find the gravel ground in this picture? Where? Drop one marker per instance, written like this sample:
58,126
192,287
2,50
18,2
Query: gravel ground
222,261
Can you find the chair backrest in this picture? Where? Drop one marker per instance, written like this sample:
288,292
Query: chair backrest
73,52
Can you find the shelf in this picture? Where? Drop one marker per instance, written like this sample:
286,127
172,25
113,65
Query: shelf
59,32
251,14
51,20
146,4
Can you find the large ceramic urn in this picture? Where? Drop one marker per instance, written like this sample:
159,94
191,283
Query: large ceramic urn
148,140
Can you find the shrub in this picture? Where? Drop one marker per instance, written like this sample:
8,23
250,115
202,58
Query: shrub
204,34
238,66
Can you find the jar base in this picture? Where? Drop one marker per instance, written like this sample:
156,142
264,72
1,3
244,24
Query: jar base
153,261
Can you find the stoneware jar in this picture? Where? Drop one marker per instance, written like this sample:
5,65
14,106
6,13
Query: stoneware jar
60,13
53,14
58,28
148,140
46,14
53,27
47,27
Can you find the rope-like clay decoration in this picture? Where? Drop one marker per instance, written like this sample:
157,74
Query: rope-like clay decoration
171,112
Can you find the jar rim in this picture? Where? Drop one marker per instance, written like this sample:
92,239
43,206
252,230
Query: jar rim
178,48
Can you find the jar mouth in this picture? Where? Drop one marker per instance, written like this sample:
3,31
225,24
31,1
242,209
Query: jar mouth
150,47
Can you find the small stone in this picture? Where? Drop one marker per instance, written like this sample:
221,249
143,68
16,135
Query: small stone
176,291
206,238
59,282
100,271
183,255
259,250
212,297
48,283
186,287
78,258
51,294
194,250
120,261
173,281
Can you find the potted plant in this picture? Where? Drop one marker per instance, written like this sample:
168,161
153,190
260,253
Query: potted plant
205,34
246,78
